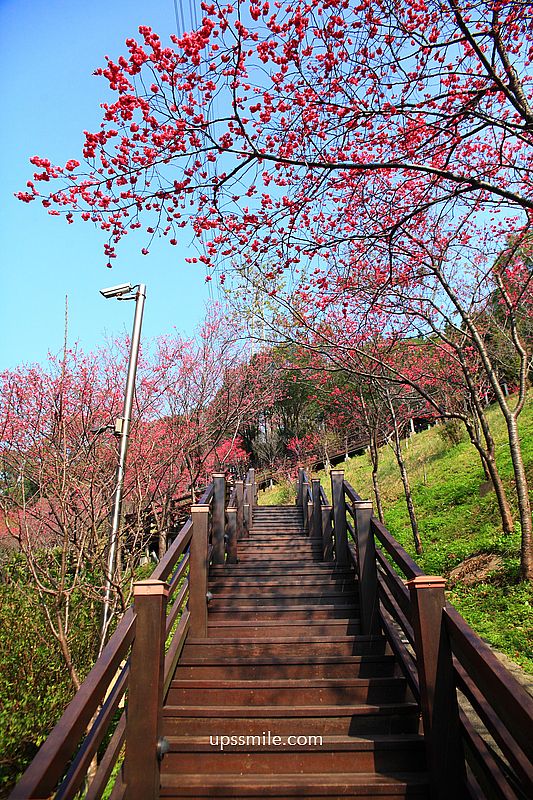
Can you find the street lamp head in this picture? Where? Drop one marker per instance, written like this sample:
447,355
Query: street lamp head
116,291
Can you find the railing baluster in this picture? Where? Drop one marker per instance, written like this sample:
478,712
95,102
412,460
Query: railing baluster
198,569
239,502
253,493
317,508
327,533
438,696
248,508
219,498
299,492
339,517
145,695
231,533
308,496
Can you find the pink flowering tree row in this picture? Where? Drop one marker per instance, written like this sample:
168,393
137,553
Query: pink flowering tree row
59,461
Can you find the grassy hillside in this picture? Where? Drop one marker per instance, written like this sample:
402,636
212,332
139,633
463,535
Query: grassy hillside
457,523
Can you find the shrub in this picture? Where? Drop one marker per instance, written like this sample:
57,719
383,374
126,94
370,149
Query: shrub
452,431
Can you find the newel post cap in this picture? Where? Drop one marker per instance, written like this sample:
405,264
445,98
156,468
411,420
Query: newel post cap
427,582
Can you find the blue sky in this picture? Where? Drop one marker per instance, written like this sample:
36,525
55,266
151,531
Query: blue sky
48,51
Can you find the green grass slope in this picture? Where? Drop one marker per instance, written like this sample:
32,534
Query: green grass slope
456,523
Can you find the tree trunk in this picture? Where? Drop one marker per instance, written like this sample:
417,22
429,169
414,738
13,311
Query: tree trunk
162,543
65,652
492,472
524,504
481,437
409,500
405,480
374,456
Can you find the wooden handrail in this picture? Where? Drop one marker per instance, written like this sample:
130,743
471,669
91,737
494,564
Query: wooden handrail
442,654
71,737
408,566
438,652
510,701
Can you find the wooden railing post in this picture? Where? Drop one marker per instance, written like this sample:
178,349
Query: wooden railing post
219,517
248,507
145,693
366,568
231,534
253,493
299,491
339,517
438,696
327,534
317,509
305,507
198,571
308,508
239,502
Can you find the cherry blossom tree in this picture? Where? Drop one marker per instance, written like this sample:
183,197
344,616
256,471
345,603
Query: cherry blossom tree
378,153
193,396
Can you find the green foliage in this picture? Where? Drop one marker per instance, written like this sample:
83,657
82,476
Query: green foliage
34,684
452,431
281,494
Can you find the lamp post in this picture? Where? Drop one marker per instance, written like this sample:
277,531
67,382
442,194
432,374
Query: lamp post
123,291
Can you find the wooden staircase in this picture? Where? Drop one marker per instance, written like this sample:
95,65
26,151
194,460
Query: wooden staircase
312,630
284,657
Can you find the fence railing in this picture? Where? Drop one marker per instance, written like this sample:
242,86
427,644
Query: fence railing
477,718
136,666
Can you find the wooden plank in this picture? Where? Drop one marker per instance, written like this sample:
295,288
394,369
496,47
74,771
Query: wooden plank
177,607
176,549
78,769
109,759
511,751
394,584
174,651
409,567
511,702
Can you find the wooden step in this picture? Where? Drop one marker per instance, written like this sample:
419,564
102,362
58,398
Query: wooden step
293,568
282,533
224,626
267,537
268,752
265,581
279,598
280,558
284,646
300,552
311,787
273,542
291,667
282,613
355,720
293,692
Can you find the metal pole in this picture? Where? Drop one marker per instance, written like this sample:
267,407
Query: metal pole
124,437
